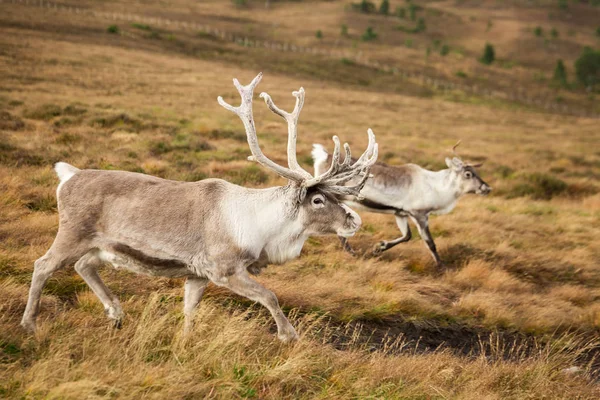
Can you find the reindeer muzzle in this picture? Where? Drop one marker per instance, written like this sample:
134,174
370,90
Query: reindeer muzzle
484,189
351,224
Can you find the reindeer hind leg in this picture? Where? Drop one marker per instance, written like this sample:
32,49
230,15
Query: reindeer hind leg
62,253
402,222
87,268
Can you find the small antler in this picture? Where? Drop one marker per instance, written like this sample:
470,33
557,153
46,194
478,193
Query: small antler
456,155
454,148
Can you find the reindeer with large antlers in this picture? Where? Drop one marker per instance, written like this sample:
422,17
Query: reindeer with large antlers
409,191
210,230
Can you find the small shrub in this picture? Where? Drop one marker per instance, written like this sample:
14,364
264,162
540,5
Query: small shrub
420,25
489,25
408,43
240,3
444,50
489,55
539,186
344,31
560,73
319,34
587,67
159,148
384,7
10,122
369,35
227,134
251,174
42,203
346,61
538,31
43,112
401,12
563,4
598,31
114,29
554,33
74,110
461,74
118,121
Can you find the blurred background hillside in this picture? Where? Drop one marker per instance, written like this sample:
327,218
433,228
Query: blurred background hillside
133,86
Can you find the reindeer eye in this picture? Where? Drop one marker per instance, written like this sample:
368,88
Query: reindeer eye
318,201
468,175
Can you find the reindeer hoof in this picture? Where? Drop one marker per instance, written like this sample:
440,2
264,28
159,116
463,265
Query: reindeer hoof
379,248
29,326
288,336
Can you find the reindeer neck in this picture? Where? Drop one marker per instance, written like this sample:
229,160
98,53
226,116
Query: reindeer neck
269,226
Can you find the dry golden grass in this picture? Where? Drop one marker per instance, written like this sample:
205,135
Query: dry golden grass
523,262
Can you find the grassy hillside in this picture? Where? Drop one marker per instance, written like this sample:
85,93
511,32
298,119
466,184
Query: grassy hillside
517,305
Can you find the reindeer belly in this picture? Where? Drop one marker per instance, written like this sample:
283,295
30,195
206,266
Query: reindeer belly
371,206
123,256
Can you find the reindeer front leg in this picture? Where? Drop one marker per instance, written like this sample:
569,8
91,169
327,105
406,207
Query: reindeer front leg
346,245
422,222
194,289
241,283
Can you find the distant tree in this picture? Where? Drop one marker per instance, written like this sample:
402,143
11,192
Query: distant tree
344,30
444,50
365,6
598,31
319,34
554,33
587,67
384,7
401,12
113,29
369,35
563,4
489,55
560,73
538,31
420,25
412,11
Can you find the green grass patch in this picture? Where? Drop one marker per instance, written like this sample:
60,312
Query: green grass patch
538,186
252,174
142,27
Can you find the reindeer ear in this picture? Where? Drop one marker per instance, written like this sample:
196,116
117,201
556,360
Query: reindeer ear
458,164
454,164
449,163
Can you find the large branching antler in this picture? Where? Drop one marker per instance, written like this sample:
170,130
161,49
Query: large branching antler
338,174
244,111
292,121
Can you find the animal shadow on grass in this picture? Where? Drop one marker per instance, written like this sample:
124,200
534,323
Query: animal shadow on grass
419,261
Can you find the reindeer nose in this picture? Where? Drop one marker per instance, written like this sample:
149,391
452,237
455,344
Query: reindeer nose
352,216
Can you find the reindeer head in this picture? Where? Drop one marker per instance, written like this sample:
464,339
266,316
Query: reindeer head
468,180
314,198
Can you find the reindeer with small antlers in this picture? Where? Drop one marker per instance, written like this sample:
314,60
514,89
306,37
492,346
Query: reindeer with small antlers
409,191
210,230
